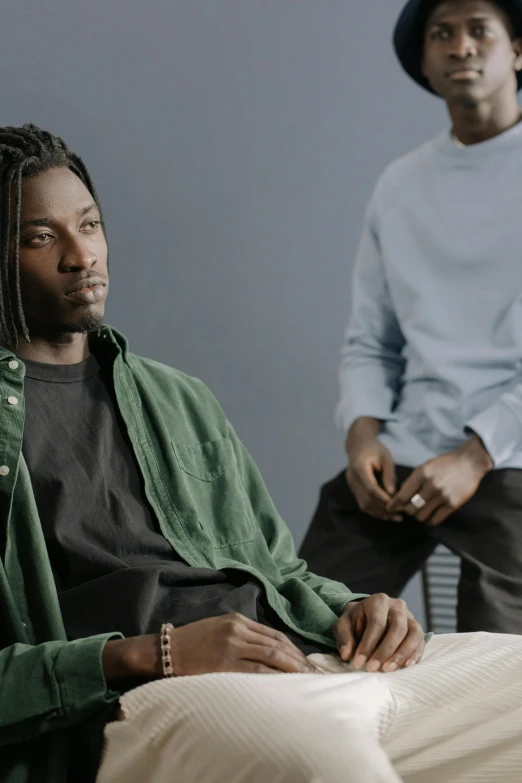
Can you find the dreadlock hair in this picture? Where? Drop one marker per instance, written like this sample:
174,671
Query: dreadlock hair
25,152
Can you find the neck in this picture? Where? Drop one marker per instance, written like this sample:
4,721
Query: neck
60,349
474,124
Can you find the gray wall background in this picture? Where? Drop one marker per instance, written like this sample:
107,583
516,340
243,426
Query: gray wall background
234,144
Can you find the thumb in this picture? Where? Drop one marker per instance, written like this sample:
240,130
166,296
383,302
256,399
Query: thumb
389,477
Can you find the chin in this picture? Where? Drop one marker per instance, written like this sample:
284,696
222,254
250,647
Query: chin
466,95
84,327
89,322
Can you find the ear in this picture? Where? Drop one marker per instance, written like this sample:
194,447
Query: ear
517,49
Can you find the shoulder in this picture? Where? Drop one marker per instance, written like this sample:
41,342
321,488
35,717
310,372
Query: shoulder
173,387
406,172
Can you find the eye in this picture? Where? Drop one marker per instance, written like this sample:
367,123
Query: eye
440,35
37,240
92,225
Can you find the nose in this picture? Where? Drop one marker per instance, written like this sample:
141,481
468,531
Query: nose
78,254
462,46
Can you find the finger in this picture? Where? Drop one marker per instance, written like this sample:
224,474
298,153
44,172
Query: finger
271,633
410,488
262,634
372,501
417,655
441,515
428,494
426,513
250,667
345,637
409,647
277,658
390,641
389,476
290,649
377,510
373,632
365,474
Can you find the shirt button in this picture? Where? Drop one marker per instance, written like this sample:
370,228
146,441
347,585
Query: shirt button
4,470
13,365
12,400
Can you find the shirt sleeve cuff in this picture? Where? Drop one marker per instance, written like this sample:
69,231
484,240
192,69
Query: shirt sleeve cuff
500,430
338,603
347,413
79,673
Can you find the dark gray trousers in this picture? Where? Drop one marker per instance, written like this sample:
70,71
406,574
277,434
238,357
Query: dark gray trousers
371,556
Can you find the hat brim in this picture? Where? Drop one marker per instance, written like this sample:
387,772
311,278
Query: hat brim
408,39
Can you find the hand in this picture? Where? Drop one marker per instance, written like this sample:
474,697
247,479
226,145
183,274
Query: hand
379,632
367,458
228,643
445,483
233,643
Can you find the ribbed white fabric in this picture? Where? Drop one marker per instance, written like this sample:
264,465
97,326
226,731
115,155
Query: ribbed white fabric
455,718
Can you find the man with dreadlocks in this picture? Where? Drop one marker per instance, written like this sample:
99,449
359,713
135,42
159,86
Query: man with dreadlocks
146,579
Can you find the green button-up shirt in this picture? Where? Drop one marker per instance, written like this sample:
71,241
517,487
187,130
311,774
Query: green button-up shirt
213,508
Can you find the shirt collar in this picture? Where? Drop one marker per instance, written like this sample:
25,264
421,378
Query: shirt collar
107,335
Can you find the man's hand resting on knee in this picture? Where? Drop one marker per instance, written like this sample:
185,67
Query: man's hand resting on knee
380,633
229,643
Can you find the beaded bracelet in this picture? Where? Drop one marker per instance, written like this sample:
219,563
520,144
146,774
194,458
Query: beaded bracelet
166,650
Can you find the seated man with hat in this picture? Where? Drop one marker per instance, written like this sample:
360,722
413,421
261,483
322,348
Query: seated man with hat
431,375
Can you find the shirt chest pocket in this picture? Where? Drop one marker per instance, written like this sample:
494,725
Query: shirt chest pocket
216,493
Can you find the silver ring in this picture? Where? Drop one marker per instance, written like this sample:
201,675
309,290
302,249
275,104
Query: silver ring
418,502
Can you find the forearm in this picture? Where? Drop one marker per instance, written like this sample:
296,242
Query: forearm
137,658
478,453
364,428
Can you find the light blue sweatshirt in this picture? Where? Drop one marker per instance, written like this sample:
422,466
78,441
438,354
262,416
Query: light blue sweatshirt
434,344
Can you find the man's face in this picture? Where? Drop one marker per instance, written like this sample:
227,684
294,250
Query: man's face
469,54
63,255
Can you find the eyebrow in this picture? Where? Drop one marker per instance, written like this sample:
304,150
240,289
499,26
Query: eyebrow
46,221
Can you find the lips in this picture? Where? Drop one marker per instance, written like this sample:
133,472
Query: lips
465,71
85,283
88,290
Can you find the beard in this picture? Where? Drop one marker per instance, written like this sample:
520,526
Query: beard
89,323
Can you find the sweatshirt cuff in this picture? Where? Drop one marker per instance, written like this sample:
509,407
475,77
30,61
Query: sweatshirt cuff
80,677
374,408
500,430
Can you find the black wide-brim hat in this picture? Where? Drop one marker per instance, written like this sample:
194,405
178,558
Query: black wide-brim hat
408,37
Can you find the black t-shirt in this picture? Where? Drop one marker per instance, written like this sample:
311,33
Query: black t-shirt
114,570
